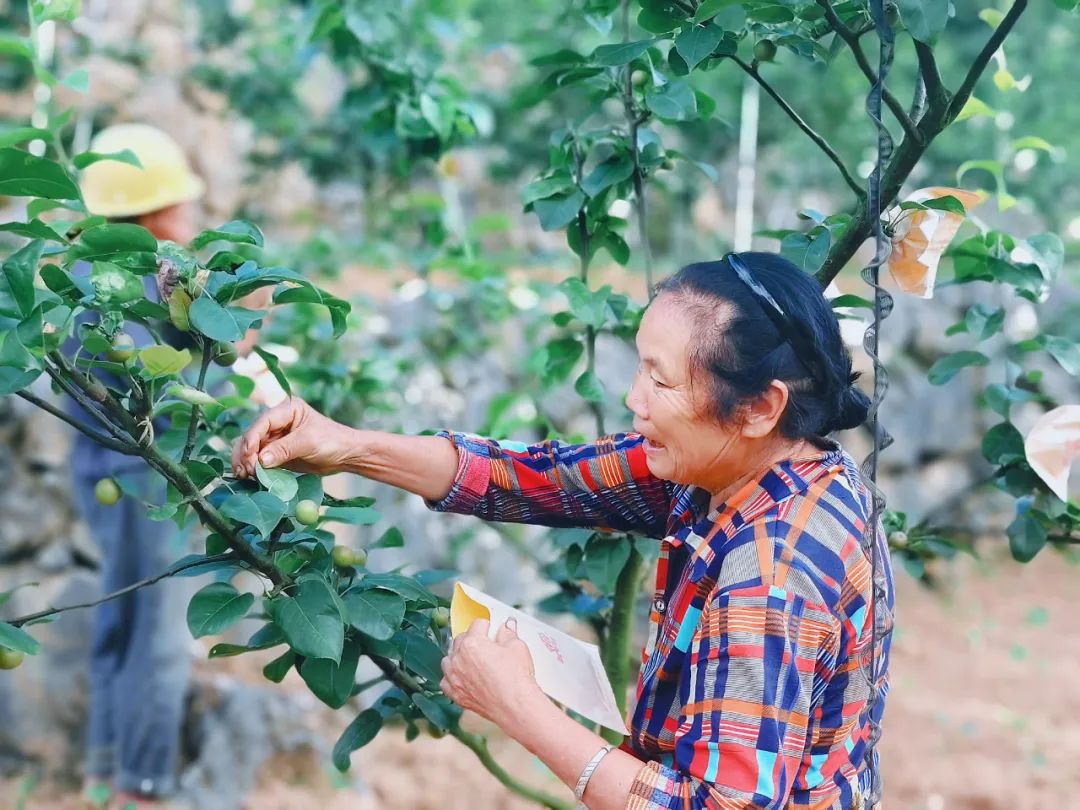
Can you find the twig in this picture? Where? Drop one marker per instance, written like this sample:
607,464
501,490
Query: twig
983,59
851,38
853,184
196,411
112,444
171,572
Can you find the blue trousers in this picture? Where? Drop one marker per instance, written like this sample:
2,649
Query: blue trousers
139,660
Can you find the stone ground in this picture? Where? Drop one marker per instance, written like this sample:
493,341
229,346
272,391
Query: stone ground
982,715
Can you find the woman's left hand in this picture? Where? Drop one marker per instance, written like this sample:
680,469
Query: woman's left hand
495,679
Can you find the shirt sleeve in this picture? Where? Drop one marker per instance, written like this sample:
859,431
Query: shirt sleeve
754,667
603,484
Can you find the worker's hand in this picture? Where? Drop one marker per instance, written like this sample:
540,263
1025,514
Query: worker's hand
296,436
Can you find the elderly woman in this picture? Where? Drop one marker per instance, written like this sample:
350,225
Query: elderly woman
751,692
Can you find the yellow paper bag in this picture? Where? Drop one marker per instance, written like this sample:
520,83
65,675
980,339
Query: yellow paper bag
567,669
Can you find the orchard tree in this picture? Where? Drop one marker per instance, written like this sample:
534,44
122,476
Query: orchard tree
319,602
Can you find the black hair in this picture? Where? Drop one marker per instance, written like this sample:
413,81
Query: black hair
741,354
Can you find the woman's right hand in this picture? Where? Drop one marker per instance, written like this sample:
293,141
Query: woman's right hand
296,436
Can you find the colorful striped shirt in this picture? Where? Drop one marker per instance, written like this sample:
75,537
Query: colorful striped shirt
751,692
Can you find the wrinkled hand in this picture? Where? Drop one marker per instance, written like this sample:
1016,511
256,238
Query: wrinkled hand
296,436
495,679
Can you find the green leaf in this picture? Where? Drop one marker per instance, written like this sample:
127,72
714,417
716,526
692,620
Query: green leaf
391,538
947,203
126,244
611,171
17,135
421,655
84,159
697,42
280,483
948,366
675,101
216,607
1027,536
440,713
710,8
160,361
356,515
851,302
273,365
261,510
924,19
277,669
562,355
376,612
1003,444
357,734
19,270
546,187
983,321
66,10
309,488
115,285
238,231
218,322
26,175
15,638
559,210
772,14
604,560
589,387
16,379
404,586
621,54
806,252
34,229
588,307
330,682
1064,351
660,16
310,621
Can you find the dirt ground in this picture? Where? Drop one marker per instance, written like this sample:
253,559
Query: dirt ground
984,715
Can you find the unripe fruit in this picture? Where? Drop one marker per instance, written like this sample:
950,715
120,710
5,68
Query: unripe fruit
440,617
898,539
343,557
668,164
765,50
106,492
307,512
638,78
360,557
10,659
224,353
122,349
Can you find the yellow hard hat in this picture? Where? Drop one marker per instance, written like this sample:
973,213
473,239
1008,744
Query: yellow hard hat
114,189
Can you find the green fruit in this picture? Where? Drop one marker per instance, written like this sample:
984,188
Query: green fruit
10,659
106,492
765,50
307,512
122,349
638,78
668,164
345,557
898,539
440,617
224,353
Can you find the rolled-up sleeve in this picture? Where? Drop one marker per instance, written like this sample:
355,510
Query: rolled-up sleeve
602,484
754,666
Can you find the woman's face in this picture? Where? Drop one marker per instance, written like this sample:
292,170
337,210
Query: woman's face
684,443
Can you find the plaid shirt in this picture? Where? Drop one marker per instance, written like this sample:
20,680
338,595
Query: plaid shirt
751,693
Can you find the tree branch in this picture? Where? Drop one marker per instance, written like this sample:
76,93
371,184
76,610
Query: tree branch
853,184
633,121
171,572
113,444
983,59
851,38
929,75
